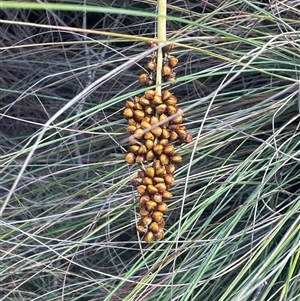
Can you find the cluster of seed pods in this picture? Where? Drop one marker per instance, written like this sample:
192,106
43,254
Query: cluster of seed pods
155,126
147,76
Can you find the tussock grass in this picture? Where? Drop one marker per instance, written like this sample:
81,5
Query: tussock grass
68,209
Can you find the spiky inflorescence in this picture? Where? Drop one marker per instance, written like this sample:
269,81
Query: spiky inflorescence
152,146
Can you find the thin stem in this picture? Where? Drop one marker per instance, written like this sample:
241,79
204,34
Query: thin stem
161,36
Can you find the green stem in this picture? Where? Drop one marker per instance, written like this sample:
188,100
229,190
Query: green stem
161,36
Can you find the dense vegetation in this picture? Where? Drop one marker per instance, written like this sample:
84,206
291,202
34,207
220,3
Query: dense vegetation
68,210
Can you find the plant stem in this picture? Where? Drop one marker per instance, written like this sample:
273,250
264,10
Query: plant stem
161,36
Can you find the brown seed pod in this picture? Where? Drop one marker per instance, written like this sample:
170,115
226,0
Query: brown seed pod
154,227
171,110
157,216
171,77
169,179
136,182
168,48
134,148
130,129
152,189
150,172
149,237
159,234
162,207
147,220
158,180
161,172
176,127
136,99
188,138
169,150
156,164
139,133
173,61
167,195
149,136
158,149
151,44
171,101
157,100
154,120
138,115
149,144
130,158
160,109
166,94
176,159
141,229
149,94
146,119
144,101
139,159
165,134
144,79
147,181
170,168
142,150
167,70
163,117
141,174
182,133
149,110
143,199
128,113
150,156
157,197
161,223
137,106
151,205
161,187
131,121
164,159
144,212
164,142
173,136
145,124
151,65
142,189
177,119
129,104
156,131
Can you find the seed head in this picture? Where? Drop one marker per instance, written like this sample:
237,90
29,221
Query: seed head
151,205
154,227
159,234
130,158
149,237
157,216
173,61
141,229
147,220
162,207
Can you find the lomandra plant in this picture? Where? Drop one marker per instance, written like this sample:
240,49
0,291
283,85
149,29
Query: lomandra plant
68,209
